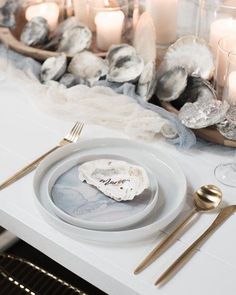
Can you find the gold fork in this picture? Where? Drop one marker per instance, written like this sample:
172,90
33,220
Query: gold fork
71,137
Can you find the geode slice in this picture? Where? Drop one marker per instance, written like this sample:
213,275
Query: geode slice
203,113
227,129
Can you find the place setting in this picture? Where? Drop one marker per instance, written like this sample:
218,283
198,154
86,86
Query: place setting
143,69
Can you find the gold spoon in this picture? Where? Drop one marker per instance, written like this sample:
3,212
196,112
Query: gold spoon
206,198
224,214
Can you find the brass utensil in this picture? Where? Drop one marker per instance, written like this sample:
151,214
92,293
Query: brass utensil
220,219
207,197
71,137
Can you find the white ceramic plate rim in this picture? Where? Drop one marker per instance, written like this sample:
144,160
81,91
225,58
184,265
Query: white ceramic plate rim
131,235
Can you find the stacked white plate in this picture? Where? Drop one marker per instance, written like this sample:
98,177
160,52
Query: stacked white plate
81,211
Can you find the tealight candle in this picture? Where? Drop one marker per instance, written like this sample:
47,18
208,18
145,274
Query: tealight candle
232,87
219,29
109,25
48,10
164,14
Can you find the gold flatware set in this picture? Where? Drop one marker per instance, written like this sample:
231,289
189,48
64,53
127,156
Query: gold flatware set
207,198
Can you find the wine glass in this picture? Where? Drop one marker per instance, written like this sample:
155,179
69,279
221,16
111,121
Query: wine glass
226,172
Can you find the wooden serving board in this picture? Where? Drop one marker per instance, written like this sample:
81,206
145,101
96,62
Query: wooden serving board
7,37
210,133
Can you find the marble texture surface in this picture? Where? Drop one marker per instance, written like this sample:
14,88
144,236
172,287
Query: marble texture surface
84,202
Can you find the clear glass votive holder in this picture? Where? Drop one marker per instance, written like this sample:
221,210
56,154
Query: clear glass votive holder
107,19
188,17
226,172
51,10
165,15
225,46
217,20
81,10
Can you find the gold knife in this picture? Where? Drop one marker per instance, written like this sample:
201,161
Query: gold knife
224,214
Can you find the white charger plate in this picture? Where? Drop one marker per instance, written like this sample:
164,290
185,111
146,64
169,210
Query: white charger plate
171,181
81,204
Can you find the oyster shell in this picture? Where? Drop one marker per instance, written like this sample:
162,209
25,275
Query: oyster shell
56,36
191,53
147,81
196,88
7,12
203,113
53,68
68,80
118,51
35,32
172,83
75,40
145,33
66,25
118,180
227,129
125,69
86,65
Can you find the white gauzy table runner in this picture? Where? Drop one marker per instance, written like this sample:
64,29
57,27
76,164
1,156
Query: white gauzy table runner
26,133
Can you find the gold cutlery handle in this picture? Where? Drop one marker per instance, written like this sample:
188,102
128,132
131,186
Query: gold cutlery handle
220,219
26,170
166,242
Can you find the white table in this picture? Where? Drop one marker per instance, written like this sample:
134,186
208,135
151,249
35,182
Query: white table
25,133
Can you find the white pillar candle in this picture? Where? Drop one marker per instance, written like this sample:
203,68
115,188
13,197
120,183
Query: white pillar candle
48,10
164,14
232,87
219,29
109,25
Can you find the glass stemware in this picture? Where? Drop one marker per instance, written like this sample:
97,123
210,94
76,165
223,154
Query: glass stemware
226,172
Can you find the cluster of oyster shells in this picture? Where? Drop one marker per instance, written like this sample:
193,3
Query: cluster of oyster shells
117,179
184,80
70,37
123,62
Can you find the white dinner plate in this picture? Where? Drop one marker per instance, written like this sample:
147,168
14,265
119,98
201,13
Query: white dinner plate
81,204
171,191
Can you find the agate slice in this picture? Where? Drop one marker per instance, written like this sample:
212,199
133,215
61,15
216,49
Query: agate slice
203,113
